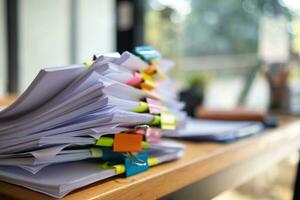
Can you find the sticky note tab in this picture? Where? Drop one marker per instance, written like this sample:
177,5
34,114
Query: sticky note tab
141,129
136,79
155,121
143,107
151,69
145,144
105,142
88,63
152,161
153,135
136,164
146,76
119,168
148,85
147,52
155,106
110,155
125,142
167,121
96,152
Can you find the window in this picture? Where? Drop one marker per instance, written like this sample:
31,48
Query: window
3,49
55,33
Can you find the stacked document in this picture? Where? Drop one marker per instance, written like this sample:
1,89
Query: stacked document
79,124
215,130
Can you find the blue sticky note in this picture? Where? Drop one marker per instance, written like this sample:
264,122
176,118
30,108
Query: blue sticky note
136,164
147,53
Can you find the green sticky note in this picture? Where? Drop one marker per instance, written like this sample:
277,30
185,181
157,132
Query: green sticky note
155,121
145,144
105,142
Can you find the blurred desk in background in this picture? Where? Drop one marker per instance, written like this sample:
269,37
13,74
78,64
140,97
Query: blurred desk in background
213,167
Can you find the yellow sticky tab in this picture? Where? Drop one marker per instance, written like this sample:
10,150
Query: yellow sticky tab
105,166
152,161
146,76
143,107
88,63
148,85
119,169
168,121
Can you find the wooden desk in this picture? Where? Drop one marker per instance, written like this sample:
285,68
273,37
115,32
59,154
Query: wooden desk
7,100
216,167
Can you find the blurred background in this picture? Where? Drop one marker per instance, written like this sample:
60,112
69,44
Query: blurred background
233,52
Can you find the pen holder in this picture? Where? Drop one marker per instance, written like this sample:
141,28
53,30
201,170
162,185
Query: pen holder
193,98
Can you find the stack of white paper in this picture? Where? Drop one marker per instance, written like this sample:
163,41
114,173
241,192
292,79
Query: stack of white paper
80,121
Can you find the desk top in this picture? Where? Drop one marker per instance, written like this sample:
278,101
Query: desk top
7,100
200,161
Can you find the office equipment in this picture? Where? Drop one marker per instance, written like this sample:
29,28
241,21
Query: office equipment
216,130
103,117
238,114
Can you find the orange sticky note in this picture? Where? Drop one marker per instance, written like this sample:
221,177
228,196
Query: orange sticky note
124,142
151,69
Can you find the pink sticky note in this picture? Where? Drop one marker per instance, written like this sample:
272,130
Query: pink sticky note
153,135
154,106
136,79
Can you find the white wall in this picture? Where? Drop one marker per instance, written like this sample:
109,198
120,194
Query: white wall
96,28
43,36
3,62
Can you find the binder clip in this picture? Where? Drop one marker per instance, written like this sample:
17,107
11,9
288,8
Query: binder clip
135,164
109,155
151,134
124,142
